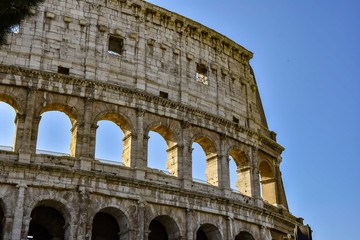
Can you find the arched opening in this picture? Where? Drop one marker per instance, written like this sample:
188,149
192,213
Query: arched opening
7,126
113,139
46,223
198,163
163,150
163,228
105,226
267,182
212,169
240,171
157,231
110,224
2,222
109,144
244,236
54,135
208,232
233,174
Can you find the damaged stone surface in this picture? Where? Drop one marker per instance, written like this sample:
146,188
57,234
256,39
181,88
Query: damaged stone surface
136,64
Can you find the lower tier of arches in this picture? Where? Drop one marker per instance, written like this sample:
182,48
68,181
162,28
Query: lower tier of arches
39,204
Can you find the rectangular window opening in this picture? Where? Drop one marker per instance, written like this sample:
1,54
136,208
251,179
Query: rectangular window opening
235,120
116,45
164,94
63,70
201,74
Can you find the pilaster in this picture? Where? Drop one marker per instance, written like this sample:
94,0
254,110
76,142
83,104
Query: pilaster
19,212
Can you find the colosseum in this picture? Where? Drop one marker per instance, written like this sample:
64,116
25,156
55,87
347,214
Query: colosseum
145,69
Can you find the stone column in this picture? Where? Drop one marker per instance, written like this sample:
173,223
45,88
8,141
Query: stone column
244,180
140,146
25,137
224,171
19,213
212,169
142,233
83,225
230,234
86,138
185,156
20,127
189,224
281,196
173,162
255,178
86,147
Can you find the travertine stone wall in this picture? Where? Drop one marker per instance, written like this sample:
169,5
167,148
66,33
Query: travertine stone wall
150,86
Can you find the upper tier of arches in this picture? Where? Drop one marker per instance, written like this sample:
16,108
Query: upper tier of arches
136,124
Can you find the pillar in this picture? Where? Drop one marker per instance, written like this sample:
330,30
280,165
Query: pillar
223,162
142,232
255,178
19,213
139,152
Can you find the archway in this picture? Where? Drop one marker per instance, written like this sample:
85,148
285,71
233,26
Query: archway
163,228
240,175
53,129
7,126
163,150
46,224
113,138
109,142
54,134
244,236
110,224
105,226
208,232
267,181
212,169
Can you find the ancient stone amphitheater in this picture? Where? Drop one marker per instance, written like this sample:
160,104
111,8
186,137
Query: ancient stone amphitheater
145,69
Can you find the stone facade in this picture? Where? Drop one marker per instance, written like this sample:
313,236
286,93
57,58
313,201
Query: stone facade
145,69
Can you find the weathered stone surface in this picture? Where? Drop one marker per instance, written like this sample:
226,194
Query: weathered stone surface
145,69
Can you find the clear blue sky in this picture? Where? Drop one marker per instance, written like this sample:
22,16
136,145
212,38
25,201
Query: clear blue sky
307,65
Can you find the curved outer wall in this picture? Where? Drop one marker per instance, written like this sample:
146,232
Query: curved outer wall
150,85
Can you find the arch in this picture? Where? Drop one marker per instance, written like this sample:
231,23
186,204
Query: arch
71,113
125,126
208,231
8,126
267,181
172,150
163,228
110,223
243,171
166,132
54,134
244,235
47,209
212,168
118,119
207,144
10,100
240,157
46,223
68,110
